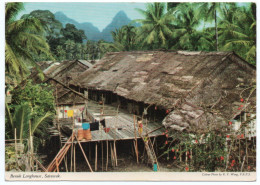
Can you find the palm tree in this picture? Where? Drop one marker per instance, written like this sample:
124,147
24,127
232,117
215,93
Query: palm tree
211,11
238,33
185,33
157,26
23,39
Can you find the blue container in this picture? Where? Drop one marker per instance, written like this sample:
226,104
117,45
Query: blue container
155,167
85,126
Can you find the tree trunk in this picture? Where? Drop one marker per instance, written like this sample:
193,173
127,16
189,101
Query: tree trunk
216,29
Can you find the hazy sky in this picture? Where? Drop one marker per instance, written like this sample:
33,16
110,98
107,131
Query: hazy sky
100,14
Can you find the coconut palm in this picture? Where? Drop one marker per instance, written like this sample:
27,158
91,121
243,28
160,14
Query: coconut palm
185,33
157,26
239,33
211,11
23,39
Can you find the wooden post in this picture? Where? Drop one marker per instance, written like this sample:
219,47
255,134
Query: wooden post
74,158
84,155
136,147
115,152
107,156
112,155
15,142
102,155
96,158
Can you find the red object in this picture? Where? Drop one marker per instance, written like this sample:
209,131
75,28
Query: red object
187,168
177,150
65,110
166,135
166,142
188,152
174,157
233,161
249,167
230,123
155,108
242,136
196,141
167,111
228,136
232,164
173,150
238,108
241,99
166,131
163,133
106,130
241,105
141,125
221,158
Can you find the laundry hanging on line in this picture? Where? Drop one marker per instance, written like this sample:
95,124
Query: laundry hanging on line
85,126
70,113
106,130
94,126
103,123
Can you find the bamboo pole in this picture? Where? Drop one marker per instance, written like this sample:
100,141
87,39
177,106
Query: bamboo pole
136,147
102,153
115,152
96,158
74,158
57,166
112,155
15,143
107,156
84,155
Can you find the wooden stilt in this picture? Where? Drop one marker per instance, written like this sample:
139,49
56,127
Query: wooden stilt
102,155
136,147
107,156
115,152
112,155
74,158
84,155
71,157
96,158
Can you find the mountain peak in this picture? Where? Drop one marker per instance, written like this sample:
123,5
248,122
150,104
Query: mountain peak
121,14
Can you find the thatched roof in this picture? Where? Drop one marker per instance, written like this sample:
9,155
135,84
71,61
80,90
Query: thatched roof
196,85
59,74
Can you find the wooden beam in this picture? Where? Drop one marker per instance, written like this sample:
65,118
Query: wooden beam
84,155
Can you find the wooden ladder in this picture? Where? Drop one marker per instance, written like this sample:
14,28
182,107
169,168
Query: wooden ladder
150,151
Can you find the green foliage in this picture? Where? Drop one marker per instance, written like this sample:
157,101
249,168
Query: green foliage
23,41
207,150
70,32
31,104
157,27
